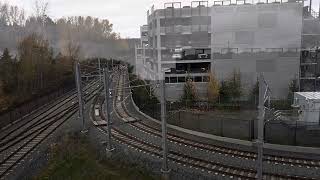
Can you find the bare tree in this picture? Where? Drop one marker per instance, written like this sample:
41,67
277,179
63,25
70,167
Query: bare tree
22,17
41,10
4,14
14,15
73,50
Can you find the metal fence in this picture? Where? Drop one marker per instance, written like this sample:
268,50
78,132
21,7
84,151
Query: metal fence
279,131
295,133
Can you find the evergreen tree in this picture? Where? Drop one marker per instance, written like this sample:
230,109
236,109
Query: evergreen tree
6,55
7,72
231,88
234,85
223,93
254,94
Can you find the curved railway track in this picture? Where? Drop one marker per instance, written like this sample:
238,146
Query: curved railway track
185,160
21,140
156,131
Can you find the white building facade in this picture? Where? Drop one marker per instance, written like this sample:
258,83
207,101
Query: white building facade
195,40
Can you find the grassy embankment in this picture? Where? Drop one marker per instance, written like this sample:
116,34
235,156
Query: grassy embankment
74,158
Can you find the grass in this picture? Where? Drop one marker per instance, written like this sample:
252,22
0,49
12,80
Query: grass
74,158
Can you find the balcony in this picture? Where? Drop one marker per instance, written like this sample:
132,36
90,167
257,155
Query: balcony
307,62
197,57
186,12
177,29
182,78
229,53
307,75
162,30
204,28
186,30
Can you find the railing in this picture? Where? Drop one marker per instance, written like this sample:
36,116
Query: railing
248,2
314,14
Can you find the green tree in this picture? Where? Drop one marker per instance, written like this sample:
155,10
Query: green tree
7,72
189,93
36,59
231,88
143,95
6,55
293,87
254,93
213,88
223,92
234,85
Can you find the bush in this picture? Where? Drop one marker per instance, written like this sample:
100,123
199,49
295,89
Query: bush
74,158
189,96
143,96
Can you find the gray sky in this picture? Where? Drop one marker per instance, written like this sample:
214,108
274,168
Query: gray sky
126,15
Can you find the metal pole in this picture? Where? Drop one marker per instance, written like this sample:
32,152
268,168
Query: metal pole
165,168
260,127
107,107
100,75
310,7
319,11
315,69
80,100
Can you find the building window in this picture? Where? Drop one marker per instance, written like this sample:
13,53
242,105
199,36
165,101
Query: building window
144,34
206,78
167,80
173,79
181,79
198,78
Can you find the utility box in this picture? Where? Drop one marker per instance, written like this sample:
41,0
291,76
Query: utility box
308,104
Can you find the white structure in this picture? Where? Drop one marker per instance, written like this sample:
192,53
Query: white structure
309,104
260,38
193,40
143,67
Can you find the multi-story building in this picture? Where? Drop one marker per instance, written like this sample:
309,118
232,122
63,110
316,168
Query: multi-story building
310,52
140,52
193,41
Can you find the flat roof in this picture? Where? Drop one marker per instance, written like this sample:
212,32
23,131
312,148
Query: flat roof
310,95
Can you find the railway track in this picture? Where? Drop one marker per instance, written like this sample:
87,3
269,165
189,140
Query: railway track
50,110
181,159
235,153
21,140
185,160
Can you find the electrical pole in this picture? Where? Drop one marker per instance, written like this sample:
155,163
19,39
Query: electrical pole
107,107
165,170
259,142
80,100
100,75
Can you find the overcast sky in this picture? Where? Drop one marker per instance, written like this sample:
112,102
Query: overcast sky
126,15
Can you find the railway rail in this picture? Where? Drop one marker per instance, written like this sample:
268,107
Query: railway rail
20,140
185,160
271,159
